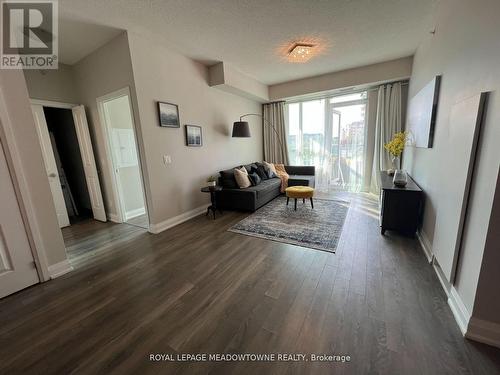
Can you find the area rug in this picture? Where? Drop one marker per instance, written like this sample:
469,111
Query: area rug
319,228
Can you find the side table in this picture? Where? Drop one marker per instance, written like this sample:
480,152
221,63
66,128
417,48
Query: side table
212,190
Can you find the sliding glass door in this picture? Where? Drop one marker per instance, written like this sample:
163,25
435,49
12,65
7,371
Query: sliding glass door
330,134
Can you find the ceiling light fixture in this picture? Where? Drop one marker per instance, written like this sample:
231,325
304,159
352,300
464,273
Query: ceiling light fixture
301,52
302,49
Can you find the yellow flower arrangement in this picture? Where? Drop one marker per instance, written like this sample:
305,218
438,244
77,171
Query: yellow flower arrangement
396,146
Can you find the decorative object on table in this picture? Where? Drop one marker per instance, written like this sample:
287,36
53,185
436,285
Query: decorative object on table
400,207
298,192
212,181
400,178
193,136
213,191
395,147
422,112
316,229
241,129
466,123
168,114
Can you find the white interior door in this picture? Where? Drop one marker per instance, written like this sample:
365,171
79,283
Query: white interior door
50,165
17,268
89,166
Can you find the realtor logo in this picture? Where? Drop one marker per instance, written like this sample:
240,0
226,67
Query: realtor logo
29,34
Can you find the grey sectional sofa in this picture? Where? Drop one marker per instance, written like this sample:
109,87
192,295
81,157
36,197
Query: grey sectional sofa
250,199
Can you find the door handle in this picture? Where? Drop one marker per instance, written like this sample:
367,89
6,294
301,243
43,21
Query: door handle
52,175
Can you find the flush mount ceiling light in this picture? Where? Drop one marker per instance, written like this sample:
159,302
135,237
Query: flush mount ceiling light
302,50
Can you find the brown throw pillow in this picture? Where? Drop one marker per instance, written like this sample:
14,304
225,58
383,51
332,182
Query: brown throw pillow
241,176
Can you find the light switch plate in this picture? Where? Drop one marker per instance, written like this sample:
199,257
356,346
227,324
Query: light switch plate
167,159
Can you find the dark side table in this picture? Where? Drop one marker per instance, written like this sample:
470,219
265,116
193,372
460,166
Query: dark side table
212,190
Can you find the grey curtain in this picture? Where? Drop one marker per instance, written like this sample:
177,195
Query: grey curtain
388,122
275,146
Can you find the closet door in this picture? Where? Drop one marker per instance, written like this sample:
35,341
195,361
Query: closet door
50,165
17,268
89,166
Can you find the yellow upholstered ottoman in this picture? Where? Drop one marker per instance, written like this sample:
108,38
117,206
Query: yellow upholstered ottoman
299,192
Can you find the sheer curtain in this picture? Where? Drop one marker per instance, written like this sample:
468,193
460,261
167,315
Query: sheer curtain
388,122
275,145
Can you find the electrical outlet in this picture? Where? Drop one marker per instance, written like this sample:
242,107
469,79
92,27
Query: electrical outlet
167,159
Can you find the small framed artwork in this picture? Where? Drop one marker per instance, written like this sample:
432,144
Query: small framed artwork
193,136
168,114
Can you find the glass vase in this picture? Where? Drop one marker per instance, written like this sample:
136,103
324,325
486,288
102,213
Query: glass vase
394,165
400,178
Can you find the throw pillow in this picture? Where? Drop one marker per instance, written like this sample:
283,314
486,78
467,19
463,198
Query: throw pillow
262,172
227,179
271,170
241,176
254,178
250,167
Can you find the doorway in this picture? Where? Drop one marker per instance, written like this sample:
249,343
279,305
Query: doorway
69,163
115,112
53,141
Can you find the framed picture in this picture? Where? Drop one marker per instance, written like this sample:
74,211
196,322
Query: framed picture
168,114
193,136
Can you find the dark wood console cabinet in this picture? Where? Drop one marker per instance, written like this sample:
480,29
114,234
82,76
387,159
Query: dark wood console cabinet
400,208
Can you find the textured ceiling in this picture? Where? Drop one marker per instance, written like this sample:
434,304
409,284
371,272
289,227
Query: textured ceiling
248,33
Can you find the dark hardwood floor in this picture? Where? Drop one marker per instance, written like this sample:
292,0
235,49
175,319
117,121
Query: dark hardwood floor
198,288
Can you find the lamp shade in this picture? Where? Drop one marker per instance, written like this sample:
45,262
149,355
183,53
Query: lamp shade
241,129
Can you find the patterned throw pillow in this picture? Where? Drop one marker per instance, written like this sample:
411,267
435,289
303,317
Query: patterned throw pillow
241,176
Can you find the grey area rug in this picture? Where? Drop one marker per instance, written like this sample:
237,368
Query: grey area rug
319,228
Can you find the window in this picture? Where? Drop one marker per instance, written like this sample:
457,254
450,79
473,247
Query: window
330,134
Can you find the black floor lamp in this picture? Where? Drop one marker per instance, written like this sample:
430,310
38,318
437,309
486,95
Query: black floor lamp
241,129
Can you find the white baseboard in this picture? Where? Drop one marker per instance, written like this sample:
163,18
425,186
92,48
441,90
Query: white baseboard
460,312
172,222
114,218
425,245
444,283
134,213
59,269
484,331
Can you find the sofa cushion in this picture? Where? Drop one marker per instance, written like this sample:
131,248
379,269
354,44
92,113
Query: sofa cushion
241,176
254,178
250,167
270,169
301,180
261,171
266,187
227,179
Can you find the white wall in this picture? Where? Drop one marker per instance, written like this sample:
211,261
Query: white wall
56,85
466,51
161,74
105,70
